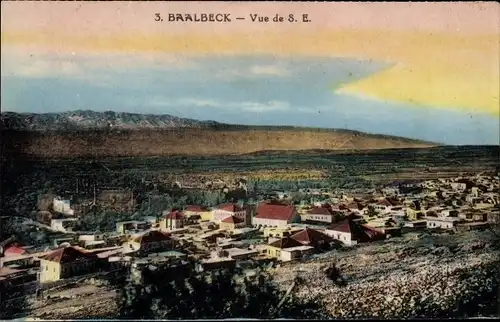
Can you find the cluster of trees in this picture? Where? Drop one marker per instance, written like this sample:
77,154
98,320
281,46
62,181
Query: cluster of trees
214,294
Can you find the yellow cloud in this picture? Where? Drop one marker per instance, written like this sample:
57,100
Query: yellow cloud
442,70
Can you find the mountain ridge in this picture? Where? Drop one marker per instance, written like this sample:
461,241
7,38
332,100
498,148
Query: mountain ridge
88,119
109,134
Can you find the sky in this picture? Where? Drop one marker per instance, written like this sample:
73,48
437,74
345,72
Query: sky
420,70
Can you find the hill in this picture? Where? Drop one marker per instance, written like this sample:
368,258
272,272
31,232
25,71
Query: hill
107,134
84,120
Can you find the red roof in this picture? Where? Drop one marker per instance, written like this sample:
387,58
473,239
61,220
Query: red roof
230,207
14,251
286,242
67,255
175,215
311,236
195,208
320,211
344,226
152,236
275,211
233,220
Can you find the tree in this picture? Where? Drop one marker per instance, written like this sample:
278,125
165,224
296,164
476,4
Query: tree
215,294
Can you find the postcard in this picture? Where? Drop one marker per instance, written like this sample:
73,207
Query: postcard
249,160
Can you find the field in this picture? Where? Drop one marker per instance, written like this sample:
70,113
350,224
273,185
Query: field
377,167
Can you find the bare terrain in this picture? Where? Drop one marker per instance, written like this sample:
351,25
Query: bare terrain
195,142
411,276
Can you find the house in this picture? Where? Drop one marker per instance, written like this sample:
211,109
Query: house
293,253
354,207
229,209
194,210
231,223
442,222
314,238
275,215
172,220
414,211
387,205
66,262
473,216
16,282
150,241
240,253
217,263
124,226
62,206
63,225
274,249
350,232
417,224
280,232
321,214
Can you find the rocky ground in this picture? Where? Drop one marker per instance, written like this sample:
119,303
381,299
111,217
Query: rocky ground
433,276
429,276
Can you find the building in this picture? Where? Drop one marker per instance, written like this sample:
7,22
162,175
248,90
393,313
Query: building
280,232
172,220
193,210
413,214
227,210
275,215
231,223
240,253
62,206
351,232
387,205
442,222
294,253
150,241
123,227
274,249
15,282
321,214
63,225
314,238
66,262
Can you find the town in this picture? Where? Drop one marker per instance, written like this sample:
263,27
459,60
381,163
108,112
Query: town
275,229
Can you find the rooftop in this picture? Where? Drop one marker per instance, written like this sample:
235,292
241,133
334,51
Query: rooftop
299,248
232,220
231,207
68,254
275,211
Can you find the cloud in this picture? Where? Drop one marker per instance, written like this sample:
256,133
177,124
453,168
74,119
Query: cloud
253,107
270,70
255,72
32,62
44,68
258,107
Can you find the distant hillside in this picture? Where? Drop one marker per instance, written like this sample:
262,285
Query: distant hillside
84,120
107,134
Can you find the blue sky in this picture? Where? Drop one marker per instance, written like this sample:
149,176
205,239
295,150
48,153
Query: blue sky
243,90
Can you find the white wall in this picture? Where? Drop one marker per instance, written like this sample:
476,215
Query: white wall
62,206
220,214
268,222
345,238
322,218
